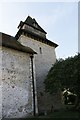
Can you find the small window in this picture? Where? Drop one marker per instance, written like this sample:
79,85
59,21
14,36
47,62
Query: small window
40,50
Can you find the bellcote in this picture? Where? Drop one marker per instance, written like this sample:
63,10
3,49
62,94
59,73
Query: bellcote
32,27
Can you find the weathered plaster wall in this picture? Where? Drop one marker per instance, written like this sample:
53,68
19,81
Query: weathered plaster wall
0,83
43,62
17,84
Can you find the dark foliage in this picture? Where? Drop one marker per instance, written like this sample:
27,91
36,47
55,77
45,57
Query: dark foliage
64,74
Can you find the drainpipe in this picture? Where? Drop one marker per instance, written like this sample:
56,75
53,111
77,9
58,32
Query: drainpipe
34,109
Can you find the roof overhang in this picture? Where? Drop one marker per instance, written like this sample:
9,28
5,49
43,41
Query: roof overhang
41,39
10,42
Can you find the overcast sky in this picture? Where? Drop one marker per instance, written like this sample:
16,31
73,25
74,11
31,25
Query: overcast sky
58,19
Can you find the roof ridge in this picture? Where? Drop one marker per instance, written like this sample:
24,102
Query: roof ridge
30,21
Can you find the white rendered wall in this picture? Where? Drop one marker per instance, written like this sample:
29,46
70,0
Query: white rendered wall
43,63
0,83
17,84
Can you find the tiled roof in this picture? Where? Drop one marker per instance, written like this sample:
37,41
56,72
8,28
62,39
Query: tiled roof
11,42
29,21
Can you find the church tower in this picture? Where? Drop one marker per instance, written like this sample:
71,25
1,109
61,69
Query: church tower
30,34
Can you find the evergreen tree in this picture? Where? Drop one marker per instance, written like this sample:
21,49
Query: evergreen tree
65,74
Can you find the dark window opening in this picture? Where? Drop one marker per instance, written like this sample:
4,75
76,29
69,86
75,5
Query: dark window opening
40,50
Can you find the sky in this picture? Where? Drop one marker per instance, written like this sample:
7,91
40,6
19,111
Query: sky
58,19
